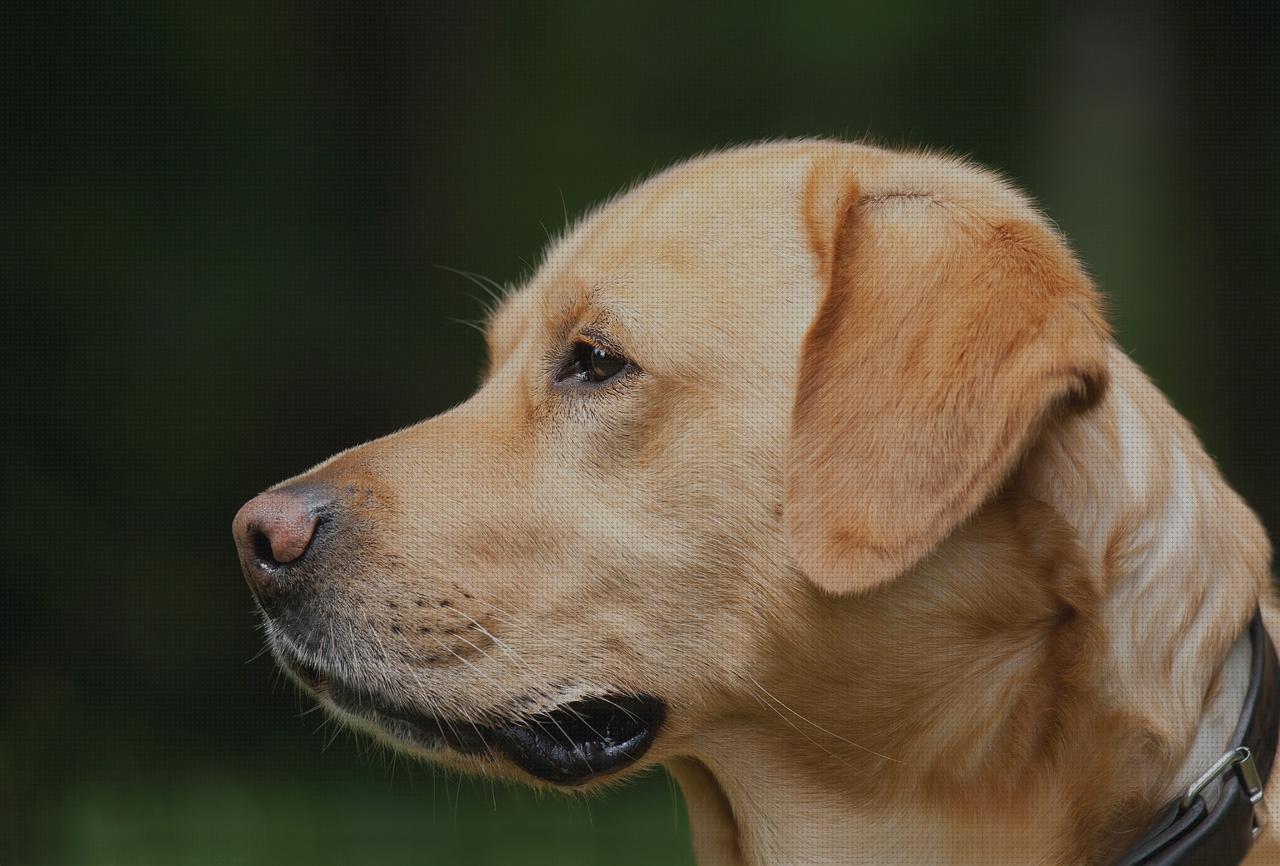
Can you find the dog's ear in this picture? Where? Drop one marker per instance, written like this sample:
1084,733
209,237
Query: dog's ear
946,337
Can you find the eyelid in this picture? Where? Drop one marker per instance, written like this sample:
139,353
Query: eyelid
601,341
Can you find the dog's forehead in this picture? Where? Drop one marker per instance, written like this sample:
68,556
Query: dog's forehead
709,210
722,238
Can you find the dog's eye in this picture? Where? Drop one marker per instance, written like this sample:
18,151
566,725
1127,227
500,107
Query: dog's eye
591,364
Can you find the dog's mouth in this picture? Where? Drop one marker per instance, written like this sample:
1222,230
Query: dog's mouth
568,745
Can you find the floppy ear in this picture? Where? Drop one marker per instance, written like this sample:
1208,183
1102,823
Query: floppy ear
944,341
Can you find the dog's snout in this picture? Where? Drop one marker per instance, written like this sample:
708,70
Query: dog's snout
274,530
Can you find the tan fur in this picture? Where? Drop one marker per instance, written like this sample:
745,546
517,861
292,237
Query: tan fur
926,570
954,328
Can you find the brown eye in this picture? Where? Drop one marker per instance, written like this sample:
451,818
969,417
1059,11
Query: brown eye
592,364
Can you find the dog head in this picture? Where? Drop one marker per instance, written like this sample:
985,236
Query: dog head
761,379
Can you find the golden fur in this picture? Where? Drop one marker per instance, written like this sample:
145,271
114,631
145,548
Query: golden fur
926,570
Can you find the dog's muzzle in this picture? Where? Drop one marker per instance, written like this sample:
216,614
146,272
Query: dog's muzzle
284,537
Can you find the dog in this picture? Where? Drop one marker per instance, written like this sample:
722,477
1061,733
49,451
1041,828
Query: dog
811,471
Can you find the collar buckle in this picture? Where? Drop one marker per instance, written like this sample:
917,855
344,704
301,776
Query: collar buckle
1239,759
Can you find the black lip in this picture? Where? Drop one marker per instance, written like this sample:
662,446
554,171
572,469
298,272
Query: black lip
567,746
584,739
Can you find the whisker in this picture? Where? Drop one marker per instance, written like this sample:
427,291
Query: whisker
499,289
816,725
468,323
497,641
422,689
490,287
671,789
521,661
337,729
802,733
483,675
505,617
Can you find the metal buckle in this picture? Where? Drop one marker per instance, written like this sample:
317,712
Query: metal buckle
1241,760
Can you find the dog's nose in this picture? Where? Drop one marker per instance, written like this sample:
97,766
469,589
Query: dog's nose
274,530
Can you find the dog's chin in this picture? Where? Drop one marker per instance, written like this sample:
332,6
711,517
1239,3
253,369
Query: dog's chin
570,744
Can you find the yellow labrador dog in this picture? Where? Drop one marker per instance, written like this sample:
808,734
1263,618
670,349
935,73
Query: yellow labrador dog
810,471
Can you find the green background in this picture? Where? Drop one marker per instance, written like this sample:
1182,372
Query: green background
227,221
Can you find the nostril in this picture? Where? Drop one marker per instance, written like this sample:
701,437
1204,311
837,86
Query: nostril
261,543
274,530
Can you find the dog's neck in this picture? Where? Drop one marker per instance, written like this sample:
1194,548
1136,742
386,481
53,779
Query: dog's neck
1179,559
1034,689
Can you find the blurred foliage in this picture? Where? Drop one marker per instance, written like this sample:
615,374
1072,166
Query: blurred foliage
304,817
230,218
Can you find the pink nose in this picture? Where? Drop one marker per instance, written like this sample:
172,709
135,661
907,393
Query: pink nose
272,530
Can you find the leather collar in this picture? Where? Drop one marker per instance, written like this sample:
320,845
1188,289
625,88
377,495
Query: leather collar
1216,821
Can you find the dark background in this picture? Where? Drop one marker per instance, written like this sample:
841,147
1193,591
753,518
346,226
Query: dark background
226,221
